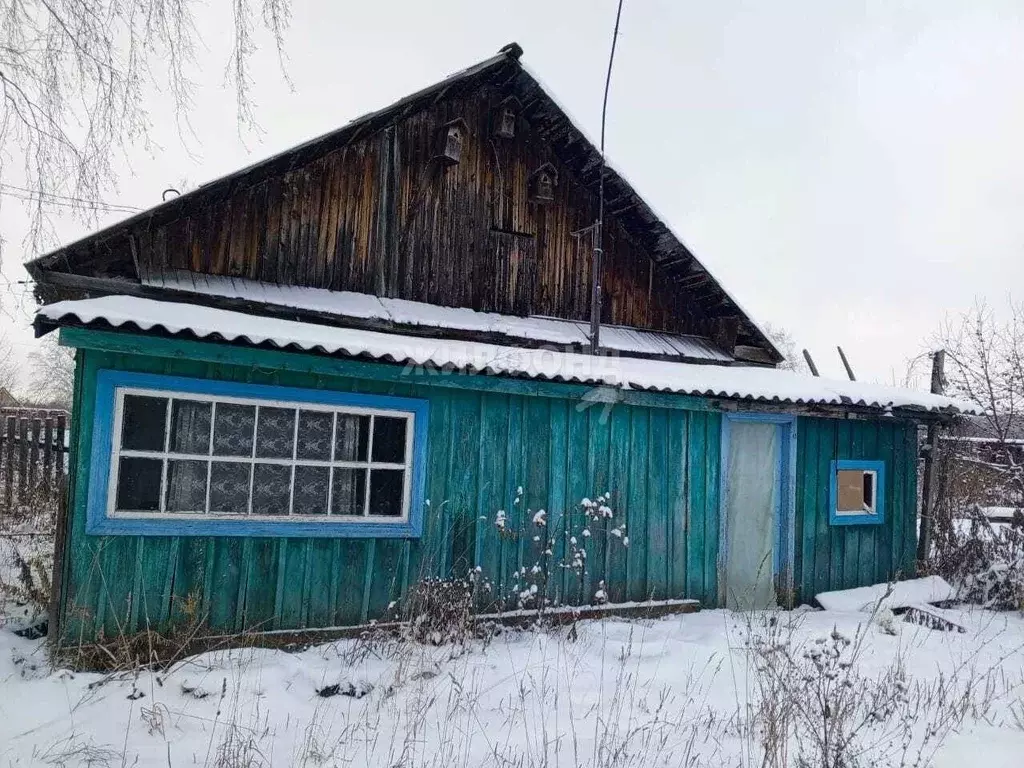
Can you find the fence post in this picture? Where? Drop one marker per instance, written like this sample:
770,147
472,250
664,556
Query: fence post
22,458
49,476
62,449
931,463
34,428
9,451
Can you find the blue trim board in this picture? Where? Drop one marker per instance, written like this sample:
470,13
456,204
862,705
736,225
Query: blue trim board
785,510
97,522
867,518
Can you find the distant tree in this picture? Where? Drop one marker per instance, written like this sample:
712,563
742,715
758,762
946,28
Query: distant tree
784,342
9,369
72,79
53,374
985,364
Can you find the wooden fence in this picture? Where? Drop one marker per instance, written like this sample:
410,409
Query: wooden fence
33,460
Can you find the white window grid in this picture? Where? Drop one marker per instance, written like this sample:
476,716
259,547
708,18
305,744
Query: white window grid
167,455
868,509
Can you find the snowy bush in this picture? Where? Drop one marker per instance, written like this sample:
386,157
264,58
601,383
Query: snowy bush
441,611
561,547
816,704
985,560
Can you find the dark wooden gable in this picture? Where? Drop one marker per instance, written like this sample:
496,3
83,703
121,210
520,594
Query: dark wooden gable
476,193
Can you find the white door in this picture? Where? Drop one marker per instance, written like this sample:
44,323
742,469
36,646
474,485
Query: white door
755,457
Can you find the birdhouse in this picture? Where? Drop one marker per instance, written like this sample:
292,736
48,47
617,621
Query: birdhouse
505,118
543,182
452,140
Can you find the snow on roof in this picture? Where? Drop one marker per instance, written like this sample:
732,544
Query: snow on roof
733,382
414,313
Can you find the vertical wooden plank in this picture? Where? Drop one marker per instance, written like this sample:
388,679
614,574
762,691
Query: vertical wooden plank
428,557
910,501
152,568
659,529
261,586
49,481
675,469
806,512
22,459
353,567
822,458
884,540
636,552
9,463
712,509
386,581
536,462
839,532
580,453
320,595
620,482
35,435
597,482
868,559
697,461
514,480
558,459
465,437
60,437
851,535
368,574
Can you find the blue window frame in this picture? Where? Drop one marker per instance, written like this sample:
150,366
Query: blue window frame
856,492
175,456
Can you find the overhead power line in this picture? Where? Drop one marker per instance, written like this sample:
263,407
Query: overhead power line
595,283
67,201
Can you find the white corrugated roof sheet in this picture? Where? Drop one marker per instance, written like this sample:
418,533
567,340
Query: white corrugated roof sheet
742,383
415,313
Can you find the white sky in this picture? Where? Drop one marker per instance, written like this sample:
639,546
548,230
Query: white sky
851,171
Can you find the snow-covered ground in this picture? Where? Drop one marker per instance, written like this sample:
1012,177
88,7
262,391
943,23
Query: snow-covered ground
671,691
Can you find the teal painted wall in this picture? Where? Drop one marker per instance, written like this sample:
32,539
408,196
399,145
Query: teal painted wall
658,456
840,557
659,464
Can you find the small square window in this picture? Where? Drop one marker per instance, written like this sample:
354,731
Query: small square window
856,492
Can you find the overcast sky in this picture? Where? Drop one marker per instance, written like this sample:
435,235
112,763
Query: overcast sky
851,171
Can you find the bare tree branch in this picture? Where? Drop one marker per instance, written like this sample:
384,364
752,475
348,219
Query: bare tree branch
73,74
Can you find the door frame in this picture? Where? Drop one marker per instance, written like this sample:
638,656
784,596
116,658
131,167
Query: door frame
785,509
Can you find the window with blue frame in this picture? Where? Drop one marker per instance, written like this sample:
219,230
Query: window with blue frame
857,492
195,456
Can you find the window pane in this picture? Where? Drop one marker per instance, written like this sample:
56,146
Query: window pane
186,485
275,433
869,490
142,423
314,435
190,426
229,487
138,484
351,438
850,490
311,485
233,426
386,486
271,487
349,491
389,439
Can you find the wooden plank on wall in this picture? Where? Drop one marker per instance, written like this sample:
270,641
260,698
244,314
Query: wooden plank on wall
697,459
676,470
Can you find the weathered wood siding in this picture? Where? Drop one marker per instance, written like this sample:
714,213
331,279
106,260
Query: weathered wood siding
658,456
660,465
840,557
383,215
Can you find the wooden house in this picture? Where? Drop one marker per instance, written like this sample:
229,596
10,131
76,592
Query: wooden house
366,361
